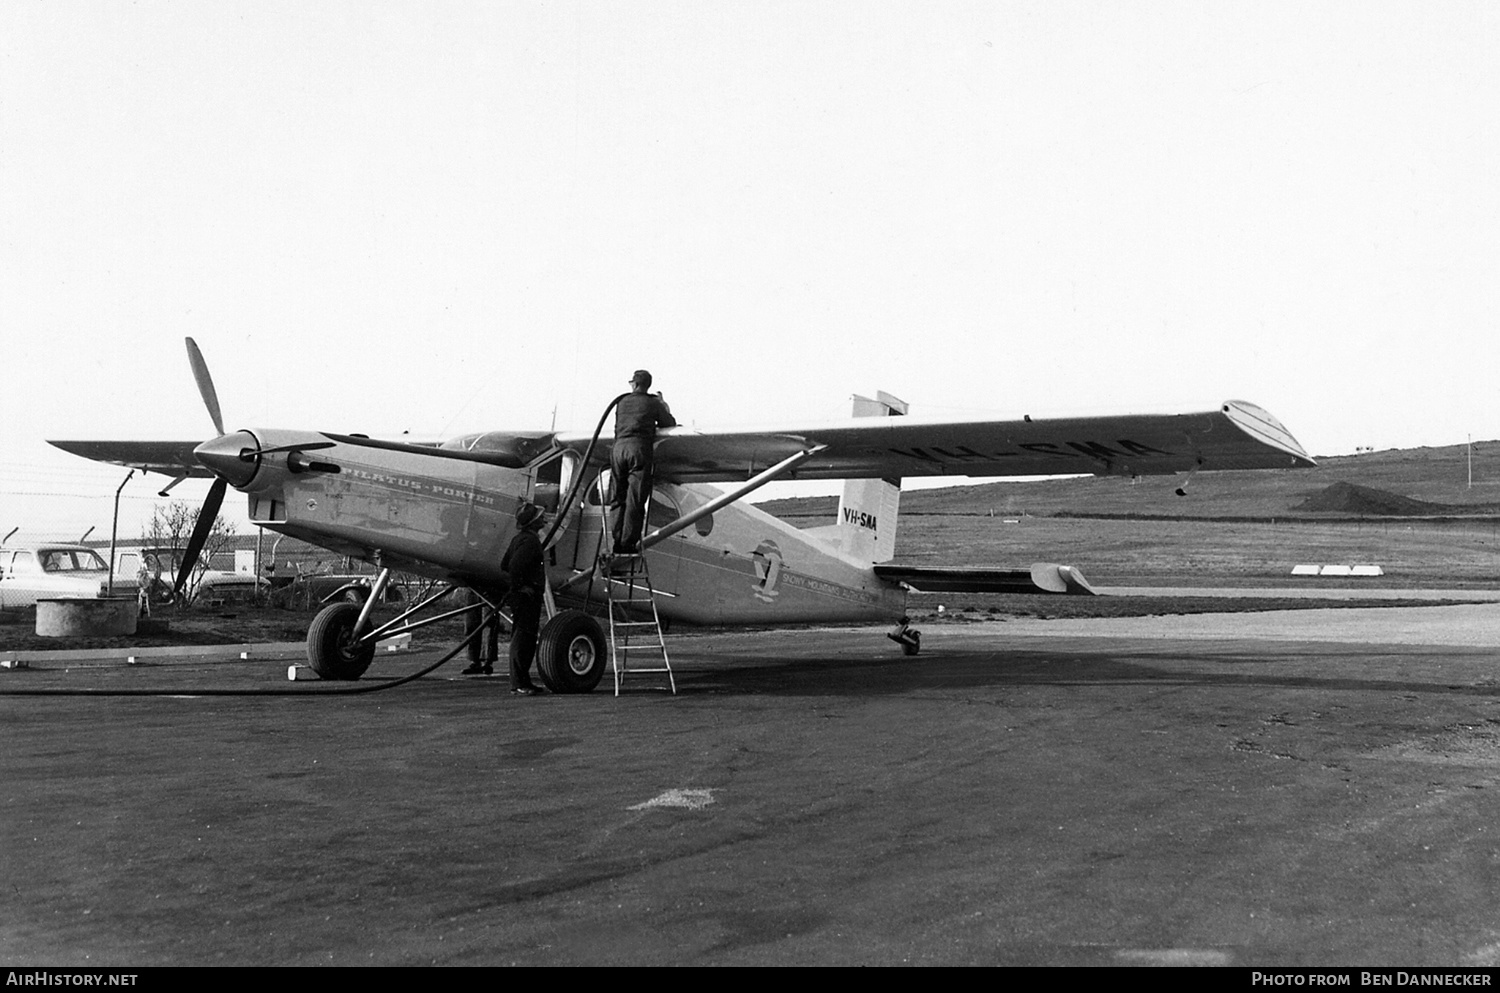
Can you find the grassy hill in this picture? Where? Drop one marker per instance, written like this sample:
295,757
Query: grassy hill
1417,482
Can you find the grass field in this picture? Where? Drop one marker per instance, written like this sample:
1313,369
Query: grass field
1132,552
1456,480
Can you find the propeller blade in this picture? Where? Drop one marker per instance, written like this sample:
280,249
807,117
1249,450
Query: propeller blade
204,525
205,385
303,446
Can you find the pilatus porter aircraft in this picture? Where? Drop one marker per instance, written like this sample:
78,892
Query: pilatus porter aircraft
447,512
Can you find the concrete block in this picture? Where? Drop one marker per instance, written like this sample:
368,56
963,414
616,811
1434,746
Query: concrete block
68,617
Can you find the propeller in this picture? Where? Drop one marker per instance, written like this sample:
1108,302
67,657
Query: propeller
201,529
215,499
205,385
301,446
226,456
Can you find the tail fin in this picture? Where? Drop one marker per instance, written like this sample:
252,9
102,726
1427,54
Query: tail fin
866,526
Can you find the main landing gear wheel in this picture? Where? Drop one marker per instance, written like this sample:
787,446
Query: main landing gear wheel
571,653
332,650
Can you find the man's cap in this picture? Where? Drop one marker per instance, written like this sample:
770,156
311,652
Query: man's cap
641,376
527,514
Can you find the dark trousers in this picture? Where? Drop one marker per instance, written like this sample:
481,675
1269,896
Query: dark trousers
630,467
526,619
486,647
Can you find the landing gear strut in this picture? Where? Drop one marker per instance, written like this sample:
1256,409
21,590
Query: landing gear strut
341,639
907,637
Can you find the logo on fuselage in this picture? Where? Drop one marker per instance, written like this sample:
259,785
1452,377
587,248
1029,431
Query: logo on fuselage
767,562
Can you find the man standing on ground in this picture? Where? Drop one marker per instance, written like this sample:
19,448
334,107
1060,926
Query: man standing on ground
528,577
483,648
637,416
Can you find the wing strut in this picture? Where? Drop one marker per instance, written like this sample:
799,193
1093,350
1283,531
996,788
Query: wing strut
748,486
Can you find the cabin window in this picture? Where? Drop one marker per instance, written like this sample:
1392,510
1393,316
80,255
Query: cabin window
550,481
598,489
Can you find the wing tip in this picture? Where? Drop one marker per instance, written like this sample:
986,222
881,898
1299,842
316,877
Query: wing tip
1263,426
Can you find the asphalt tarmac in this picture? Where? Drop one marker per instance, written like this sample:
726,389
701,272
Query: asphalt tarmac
1286,788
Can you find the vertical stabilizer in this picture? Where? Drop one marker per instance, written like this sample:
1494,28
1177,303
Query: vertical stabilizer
866,525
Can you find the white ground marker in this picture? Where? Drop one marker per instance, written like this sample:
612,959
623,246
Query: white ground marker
690,799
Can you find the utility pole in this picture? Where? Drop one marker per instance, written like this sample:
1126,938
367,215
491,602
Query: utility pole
114,527
1471,461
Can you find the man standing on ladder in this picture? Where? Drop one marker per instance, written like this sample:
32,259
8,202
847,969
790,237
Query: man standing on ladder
637,416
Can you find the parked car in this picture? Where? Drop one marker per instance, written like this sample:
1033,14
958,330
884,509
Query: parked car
54,569
211,585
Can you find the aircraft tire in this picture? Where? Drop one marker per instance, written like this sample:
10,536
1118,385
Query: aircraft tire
331,650
571,653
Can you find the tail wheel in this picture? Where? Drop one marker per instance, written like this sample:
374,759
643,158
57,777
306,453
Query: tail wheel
571,653
913,646
332,650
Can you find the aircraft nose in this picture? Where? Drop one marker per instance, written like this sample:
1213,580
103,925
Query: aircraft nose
232,457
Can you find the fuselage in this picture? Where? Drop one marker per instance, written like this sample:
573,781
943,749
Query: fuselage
452,520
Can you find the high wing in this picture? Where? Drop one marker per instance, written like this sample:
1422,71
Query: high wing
1238,435
170,458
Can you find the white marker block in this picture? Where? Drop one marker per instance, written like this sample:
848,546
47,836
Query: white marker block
399,643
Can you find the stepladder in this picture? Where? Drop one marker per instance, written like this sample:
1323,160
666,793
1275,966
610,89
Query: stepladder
636,642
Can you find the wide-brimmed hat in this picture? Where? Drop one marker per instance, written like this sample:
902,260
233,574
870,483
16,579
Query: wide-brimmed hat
528,514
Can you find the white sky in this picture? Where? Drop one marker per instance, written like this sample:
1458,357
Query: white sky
443,217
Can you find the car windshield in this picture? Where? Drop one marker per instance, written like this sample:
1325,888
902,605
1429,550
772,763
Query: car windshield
71,560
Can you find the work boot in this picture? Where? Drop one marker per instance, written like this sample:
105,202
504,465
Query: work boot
477,669
525,689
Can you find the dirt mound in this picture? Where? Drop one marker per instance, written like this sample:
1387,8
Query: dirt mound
1366,501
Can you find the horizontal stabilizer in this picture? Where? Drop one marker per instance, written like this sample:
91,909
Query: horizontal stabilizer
1042,577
